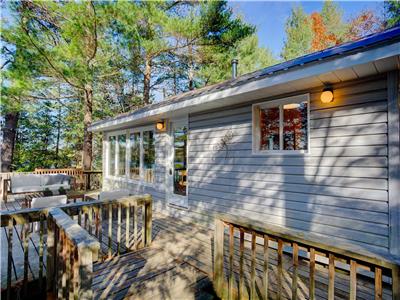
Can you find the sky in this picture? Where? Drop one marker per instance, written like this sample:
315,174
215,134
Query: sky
270,16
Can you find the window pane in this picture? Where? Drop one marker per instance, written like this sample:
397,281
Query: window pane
111,158
295,126
269,128
180,160
135,156
121,154
148,156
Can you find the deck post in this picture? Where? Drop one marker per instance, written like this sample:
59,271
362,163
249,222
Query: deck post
85,273
51,255
219,258
147,224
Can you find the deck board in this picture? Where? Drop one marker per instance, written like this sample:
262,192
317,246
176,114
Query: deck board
178,264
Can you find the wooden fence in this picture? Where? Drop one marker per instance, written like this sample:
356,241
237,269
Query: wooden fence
83,180
229,282
72,246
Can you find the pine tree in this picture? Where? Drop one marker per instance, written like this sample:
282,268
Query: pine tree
332,18
392,13
298,34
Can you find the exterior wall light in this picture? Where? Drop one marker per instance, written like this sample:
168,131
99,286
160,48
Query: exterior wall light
327,95
161,125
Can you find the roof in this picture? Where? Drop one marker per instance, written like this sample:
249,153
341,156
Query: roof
374,40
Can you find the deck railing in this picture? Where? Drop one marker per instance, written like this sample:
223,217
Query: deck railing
336,258
72,245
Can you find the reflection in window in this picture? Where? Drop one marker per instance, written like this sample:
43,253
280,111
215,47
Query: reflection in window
121,154
180,160
148,156
134,164
284,127
269,128
295,126
112,144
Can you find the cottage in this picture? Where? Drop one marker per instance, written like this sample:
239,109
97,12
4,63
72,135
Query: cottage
311,144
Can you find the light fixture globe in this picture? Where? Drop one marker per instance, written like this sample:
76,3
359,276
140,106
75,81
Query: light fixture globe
160,125
327,96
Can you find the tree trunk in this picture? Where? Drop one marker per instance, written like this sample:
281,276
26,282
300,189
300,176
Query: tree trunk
7,147
87,135
146,81
191,68
58,135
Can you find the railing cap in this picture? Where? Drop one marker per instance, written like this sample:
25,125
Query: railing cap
314,240
75,233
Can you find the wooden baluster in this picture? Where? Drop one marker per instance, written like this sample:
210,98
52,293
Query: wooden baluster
148,222
266,262
67,267
85,217
219,258
231,249
241,263
51,254
396,282
10,256
100,215
353,279
60,264
110,211
128,217
253,267
64,265
295,270
75,273
135,225
90,217
26,254
280,268
119,230
378,283
312,274
96,221
41,233
80,216
331,285
72,275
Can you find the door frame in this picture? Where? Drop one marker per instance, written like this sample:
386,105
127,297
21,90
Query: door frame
171,197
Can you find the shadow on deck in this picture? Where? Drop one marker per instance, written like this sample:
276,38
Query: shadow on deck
179,262
173,267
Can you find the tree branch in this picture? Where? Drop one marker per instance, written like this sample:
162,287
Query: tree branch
48,59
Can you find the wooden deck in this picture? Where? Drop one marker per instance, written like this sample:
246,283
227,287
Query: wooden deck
179,265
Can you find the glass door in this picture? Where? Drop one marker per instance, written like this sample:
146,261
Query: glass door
177,164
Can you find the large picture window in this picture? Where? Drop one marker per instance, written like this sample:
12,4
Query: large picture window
281,125
131,155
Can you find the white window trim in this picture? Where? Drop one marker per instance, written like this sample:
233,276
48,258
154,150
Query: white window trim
127,133
256,127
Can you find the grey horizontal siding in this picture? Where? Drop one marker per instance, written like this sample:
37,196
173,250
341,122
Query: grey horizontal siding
339,189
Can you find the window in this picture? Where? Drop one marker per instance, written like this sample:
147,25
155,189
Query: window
148,156
135,150
111,168
180,160
282,125
134,164
121,154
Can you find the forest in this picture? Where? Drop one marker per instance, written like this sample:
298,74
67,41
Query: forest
65,64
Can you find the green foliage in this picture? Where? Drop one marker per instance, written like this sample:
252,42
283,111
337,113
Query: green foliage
332,17
392,12
298,34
